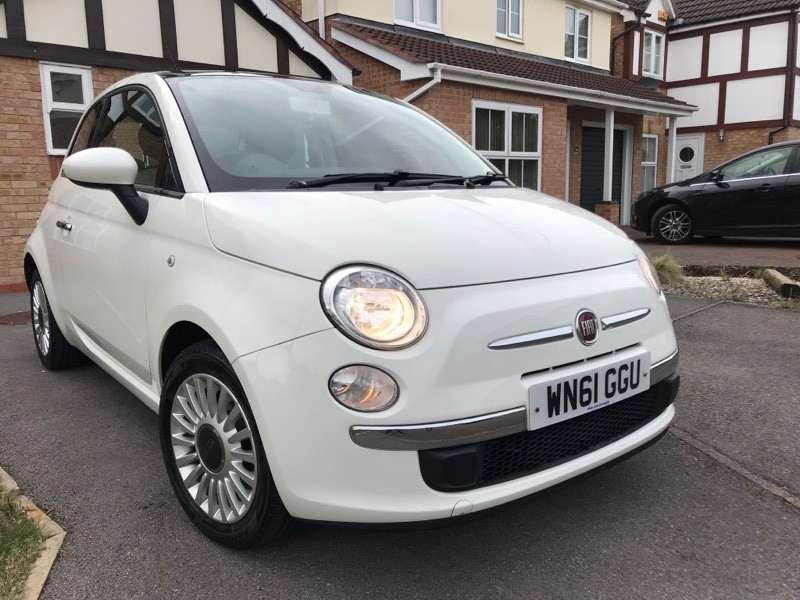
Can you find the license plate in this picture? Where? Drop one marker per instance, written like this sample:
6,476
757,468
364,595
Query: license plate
580,393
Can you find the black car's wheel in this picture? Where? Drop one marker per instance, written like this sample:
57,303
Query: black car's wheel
54,350
213,453
671,224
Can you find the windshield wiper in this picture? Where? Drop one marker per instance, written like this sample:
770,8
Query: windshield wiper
389,178
469,182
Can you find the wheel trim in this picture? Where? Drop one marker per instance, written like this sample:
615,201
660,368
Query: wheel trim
41,318
675,225
227,493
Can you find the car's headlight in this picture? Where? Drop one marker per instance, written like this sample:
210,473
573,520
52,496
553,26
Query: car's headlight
648,269
374,307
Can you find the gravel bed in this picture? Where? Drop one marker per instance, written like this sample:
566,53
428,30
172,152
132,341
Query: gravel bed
733,289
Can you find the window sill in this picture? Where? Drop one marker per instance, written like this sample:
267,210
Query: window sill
510,38
653,76
580,61
423,27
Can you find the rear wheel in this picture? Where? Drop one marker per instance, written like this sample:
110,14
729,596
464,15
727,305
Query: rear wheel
213,453
671,224
54,350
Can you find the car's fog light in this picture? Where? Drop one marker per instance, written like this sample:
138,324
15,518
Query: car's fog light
363,388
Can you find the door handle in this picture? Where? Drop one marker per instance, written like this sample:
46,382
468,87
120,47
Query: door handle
64,225
765,187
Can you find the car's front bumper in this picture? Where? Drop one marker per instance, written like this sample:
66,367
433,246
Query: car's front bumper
450,376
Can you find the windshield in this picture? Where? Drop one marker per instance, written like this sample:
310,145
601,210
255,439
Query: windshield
259,132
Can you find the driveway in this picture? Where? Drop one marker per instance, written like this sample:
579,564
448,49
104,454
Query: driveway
711,511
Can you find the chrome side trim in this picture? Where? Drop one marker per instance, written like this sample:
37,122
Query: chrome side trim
533,339
623,318
443,434
663,368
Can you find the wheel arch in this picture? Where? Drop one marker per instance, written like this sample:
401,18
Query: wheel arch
29,266
178,337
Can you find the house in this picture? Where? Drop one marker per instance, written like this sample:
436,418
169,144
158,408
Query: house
528,83
735,60
55,55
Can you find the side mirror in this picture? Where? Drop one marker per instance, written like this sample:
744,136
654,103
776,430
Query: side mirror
715,176
108,169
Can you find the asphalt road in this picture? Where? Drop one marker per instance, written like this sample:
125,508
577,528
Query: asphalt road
711,511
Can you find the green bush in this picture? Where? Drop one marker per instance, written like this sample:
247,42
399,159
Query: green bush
668,269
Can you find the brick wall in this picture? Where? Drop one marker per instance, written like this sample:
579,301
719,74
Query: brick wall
658,126
451,103
740,142
26,171
618,48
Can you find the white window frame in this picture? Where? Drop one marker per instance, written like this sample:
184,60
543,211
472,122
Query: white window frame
507,35
580,11
653,164
418,23
648,69
48,105
507,153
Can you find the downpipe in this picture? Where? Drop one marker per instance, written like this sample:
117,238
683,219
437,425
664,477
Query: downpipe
791,58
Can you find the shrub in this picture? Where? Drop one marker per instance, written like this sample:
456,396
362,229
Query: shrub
668,269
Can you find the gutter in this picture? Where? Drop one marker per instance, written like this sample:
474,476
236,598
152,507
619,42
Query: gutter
486,78
789,89
437,78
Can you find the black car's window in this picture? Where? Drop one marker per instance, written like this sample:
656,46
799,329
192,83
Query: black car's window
761,164
132,123
83,139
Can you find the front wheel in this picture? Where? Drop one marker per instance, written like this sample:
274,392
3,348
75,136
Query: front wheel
213,454
671,224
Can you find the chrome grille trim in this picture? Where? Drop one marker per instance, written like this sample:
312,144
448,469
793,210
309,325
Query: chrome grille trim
533,339
623,318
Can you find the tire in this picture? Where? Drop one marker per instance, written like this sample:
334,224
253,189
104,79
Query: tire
223,482
672,224
54,350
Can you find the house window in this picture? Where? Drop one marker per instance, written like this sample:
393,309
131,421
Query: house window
576,34
418,13
509,18
67,92
509,136
653,54
649,161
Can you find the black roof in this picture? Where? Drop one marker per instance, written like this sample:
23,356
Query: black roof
692,12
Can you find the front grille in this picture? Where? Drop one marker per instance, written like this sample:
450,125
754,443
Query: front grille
520,454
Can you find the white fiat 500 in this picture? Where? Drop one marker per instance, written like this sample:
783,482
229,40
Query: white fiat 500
339,310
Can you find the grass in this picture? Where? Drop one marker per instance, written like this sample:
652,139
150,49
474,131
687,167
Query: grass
724,275
20,542
791,304
668,269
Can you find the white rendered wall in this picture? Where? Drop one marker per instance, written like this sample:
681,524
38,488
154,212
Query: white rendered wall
685,57
3,30
759,99
199,25
63,25
637,40
796,111
725,53
652,9
298,67
706,97
132,27
768,46
257,46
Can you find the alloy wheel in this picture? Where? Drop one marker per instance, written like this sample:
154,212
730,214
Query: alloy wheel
675,225
41,318
214,448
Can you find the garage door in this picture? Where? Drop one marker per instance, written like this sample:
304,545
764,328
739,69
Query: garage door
593,164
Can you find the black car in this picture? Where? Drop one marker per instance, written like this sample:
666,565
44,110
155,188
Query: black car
754,195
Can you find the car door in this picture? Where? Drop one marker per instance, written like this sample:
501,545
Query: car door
742,196
104,254
787,218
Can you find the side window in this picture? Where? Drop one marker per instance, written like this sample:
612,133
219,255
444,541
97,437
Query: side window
761,164
83,139
66,93
131,123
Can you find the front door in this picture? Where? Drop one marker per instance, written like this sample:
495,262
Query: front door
688,157
593,166
103,255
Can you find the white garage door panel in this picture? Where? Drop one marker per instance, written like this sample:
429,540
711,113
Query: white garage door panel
683,61
759,99
132,27
768,46
706,97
